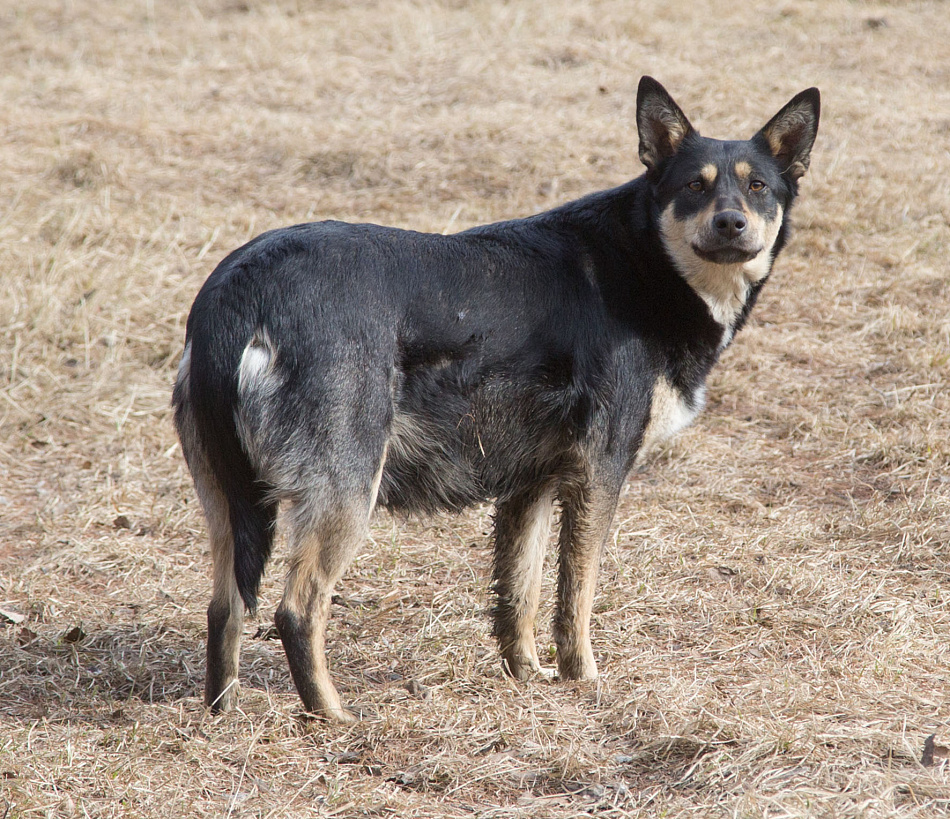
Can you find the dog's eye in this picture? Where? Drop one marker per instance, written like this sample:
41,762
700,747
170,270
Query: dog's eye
696,186
756,186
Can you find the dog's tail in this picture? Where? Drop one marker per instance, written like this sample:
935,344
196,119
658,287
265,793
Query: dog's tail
207,416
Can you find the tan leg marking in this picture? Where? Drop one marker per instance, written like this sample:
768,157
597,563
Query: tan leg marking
585,523
226,610
321,554
522,528
323,544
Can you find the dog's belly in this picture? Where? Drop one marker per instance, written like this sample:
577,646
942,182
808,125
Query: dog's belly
427,468
465,443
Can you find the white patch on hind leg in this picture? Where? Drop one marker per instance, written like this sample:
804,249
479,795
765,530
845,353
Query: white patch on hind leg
257,363
258,380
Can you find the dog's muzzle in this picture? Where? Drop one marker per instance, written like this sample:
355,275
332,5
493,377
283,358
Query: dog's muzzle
727,239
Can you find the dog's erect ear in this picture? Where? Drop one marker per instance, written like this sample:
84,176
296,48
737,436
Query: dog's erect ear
661,123
790,134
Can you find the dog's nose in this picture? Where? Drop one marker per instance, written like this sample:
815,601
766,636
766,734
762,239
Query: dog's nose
729,223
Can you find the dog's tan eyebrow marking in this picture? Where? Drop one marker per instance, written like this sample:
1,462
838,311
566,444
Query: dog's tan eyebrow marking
743,170
709,173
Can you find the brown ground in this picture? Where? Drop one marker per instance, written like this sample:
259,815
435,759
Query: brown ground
773,623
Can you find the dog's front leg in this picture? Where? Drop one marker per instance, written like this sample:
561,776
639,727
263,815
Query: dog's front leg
586,516
522,526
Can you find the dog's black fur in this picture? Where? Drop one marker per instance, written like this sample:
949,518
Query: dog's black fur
330,366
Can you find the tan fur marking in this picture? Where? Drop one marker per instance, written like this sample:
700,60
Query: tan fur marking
743,170
673,124
709,174
585,524
522,562
775,142
321,552
224,644
784,132
661,132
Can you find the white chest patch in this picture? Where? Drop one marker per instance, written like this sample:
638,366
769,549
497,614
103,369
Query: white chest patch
669,413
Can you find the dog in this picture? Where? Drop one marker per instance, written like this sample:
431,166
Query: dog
329,368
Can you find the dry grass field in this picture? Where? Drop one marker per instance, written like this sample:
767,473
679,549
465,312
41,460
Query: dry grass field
773,620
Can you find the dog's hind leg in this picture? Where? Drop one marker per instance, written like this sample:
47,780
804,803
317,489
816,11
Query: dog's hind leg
322,549
230,519
324,538
586,516
522,527
227,512
226,610
253,528
254,525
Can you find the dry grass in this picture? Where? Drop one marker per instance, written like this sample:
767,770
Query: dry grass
773,623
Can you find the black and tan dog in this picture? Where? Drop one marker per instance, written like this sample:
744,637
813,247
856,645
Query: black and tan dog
330,367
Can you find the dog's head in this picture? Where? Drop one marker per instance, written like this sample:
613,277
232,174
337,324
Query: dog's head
723,204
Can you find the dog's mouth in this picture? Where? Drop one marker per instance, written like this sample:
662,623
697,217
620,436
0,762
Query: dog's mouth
726,254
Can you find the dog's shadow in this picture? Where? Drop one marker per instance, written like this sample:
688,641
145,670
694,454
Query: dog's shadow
82,672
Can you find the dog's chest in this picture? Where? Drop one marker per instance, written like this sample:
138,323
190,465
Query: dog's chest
670,411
